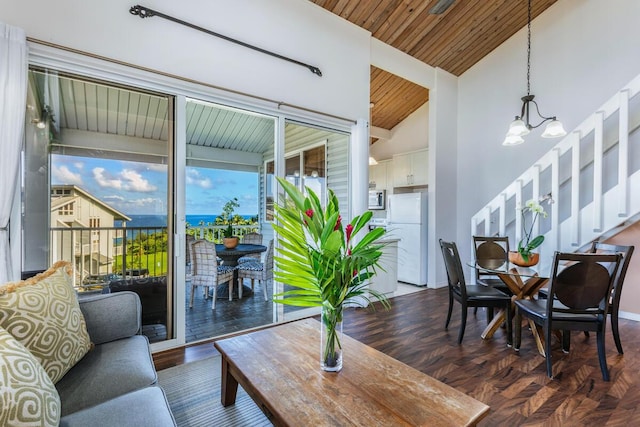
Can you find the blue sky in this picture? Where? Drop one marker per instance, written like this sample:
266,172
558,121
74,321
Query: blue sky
136,188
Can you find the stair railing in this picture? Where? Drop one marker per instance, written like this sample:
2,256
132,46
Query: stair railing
586,220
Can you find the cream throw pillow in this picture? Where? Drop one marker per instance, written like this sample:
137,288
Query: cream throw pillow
27,395
43,314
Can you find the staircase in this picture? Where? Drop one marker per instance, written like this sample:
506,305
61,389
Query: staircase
593,175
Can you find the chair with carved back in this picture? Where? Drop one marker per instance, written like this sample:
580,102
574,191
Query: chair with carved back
491,253
578,300
616,292
470,295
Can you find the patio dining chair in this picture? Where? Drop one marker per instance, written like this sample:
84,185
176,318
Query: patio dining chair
252,238
207,273
470,295
258,271
578,300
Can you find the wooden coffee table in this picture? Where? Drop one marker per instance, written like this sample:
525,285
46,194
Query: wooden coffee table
279,367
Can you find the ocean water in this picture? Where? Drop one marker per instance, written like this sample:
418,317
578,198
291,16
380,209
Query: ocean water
161,220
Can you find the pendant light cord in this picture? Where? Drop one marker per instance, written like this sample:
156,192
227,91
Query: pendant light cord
529,49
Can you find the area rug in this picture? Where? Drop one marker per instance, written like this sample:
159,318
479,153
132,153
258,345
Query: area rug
193,391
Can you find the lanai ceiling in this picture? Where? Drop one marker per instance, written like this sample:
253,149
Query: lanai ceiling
453,40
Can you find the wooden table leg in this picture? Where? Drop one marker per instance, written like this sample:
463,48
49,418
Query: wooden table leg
494,325
537,336
229,385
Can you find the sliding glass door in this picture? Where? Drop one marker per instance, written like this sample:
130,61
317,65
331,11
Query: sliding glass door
225,149
110,168
97,175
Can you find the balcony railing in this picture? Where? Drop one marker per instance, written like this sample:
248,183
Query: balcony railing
101,254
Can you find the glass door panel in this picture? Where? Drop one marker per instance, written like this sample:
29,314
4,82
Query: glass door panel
315,158
226,185
96,181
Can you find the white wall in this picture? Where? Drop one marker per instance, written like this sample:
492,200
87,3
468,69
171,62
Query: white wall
583,51
294,28
410,135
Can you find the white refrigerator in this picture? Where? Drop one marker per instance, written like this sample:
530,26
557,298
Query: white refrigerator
407,221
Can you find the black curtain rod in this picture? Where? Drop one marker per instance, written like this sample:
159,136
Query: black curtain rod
145,12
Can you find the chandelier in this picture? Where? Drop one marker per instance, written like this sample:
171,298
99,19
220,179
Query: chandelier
522,125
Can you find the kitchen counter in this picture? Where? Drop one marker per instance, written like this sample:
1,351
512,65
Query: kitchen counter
386,281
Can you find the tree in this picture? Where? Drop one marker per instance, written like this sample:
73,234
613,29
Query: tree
227,212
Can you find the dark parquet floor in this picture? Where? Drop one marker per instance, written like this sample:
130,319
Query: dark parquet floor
514,385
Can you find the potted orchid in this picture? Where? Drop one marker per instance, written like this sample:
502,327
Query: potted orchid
525,255
325,265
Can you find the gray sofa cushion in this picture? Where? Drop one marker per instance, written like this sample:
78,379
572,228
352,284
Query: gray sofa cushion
111,317
146,407
109,370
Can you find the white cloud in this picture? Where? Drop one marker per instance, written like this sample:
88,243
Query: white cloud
127,180
135,182
193,177
79,165
105,180
114,197
63,175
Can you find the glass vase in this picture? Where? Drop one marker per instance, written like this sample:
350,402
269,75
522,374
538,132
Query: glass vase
331,339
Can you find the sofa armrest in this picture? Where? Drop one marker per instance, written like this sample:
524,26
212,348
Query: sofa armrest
111,317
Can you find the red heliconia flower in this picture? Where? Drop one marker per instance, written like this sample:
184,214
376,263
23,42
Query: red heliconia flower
349,230
338,223
309,213
349,251
355,273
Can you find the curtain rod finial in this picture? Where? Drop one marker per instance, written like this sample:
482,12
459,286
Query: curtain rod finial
141,11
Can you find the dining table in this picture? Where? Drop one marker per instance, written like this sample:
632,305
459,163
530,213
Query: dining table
230,257
524,283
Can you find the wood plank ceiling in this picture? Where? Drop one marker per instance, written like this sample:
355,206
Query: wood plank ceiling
454,40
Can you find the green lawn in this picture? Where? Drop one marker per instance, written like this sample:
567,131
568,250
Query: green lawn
156,263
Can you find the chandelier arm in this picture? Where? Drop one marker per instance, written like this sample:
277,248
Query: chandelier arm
545,118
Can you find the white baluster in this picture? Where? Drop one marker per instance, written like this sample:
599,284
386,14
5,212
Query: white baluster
575,189
597,170
623,155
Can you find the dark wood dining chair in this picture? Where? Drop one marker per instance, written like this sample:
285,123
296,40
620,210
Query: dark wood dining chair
578,300
492,253
470,295
616,292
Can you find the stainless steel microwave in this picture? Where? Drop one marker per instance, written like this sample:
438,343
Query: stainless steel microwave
377,199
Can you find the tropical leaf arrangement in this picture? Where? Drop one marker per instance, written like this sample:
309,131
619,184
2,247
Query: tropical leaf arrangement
318,255
322,260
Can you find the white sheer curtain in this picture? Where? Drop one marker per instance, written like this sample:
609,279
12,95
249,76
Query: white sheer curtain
13,98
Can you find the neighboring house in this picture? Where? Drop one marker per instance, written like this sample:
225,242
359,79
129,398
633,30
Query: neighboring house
86,219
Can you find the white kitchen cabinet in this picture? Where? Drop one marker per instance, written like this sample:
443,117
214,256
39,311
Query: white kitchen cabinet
410,169
379,175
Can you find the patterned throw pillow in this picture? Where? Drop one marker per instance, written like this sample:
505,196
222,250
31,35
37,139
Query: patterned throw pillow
27,395
43,314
